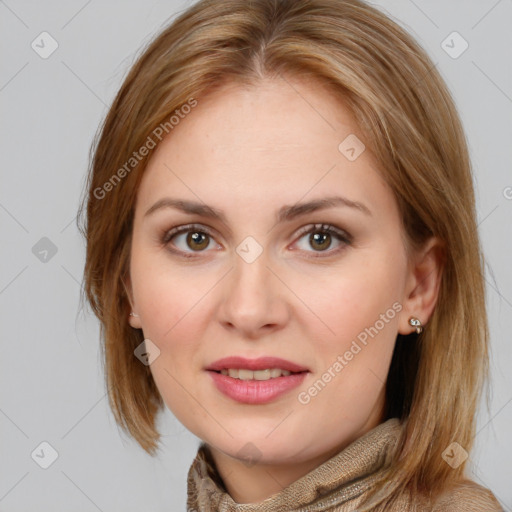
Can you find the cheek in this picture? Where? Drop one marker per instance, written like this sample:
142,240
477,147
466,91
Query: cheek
358,308
348,301
154,298
169,316
172,302
160,294
170,308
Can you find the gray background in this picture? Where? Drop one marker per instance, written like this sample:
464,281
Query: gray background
52,383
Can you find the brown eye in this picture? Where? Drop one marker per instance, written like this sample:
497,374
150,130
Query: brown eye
321,238
186,240
196,240
320,241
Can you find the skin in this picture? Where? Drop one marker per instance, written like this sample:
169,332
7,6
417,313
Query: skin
248,152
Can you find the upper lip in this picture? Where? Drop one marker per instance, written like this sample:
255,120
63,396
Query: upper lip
261,363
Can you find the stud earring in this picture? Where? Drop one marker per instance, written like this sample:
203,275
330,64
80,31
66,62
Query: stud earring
416,323
134,314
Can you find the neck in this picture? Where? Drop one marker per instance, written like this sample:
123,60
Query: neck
248,483
253,483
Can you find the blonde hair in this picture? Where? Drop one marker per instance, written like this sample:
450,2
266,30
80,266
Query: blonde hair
410,123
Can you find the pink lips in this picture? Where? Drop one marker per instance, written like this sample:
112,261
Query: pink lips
256,391
262,363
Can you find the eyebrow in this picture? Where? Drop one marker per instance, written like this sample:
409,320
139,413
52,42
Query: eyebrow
285,213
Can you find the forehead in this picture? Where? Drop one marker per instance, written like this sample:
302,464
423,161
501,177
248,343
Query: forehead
272,115
277,139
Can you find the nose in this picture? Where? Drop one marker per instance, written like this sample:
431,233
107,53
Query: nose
254,299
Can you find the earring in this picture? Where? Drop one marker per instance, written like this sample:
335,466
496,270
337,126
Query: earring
416,323
134,314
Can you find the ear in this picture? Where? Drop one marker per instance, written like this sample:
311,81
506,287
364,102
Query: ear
422,285
134,321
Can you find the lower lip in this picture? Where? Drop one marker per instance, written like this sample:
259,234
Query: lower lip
256,391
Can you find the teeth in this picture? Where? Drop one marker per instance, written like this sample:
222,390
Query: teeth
264,374
243,374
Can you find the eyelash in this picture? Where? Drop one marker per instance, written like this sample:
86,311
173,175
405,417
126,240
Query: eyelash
340,234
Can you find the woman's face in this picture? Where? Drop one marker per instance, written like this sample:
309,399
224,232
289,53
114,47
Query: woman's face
265,279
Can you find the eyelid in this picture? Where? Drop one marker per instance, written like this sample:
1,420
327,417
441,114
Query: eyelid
328,228
178,230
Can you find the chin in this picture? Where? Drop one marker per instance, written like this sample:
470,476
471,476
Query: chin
252,449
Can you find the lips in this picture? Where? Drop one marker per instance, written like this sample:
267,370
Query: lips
261,363
255,391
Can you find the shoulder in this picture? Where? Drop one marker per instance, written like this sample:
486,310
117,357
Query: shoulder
467,496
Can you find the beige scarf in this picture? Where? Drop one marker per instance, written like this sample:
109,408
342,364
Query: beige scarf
341,484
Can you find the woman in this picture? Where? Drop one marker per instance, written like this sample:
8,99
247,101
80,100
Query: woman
282,249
